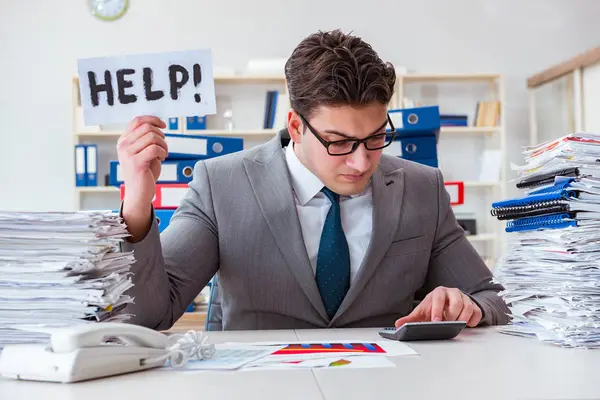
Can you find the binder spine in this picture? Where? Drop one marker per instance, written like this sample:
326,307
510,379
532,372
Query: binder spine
551,221
543,206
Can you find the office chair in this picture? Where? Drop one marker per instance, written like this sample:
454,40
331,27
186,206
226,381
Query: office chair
214,315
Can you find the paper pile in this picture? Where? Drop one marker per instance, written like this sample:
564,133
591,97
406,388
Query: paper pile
551,267
58,270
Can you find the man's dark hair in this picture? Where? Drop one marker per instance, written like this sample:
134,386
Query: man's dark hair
336,69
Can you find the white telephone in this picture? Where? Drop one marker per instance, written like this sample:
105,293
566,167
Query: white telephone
99,350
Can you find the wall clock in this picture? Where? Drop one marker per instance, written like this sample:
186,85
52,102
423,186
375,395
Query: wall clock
108,10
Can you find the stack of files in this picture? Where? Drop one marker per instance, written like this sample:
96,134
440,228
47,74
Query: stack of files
551,264
574,155
60,270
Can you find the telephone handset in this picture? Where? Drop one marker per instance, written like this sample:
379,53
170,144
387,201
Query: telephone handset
98,350
91,335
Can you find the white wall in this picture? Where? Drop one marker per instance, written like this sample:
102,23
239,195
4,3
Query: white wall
41,41
591,98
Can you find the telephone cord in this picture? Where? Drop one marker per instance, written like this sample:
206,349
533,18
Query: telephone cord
183,347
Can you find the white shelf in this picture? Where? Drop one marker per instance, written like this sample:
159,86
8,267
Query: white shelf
256,79
437,77
484,237
97,189
272,132
237,79
470,129
203,132
477,184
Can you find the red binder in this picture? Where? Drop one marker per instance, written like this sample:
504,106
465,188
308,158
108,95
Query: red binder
167,196
456,191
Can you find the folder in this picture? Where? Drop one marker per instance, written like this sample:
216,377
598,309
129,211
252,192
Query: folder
185,146
92,164
173,171
173,125
195,123
419,149
407,121
453,120
163,218
80,165
270,109
456,190
417,132
167,196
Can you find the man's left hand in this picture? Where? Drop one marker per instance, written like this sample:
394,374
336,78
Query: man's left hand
444,304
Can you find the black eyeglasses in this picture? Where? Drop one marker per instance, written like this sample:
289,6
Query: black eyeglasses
348,146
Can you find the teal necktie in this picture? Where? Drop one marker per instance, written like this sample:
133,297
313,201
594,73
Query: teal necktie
333,259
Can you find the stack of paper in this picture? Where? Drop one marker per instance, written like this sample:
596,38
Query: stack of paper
551,267
60,269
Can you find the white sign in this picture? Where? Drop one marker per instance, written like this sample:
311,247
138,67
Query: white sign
117,89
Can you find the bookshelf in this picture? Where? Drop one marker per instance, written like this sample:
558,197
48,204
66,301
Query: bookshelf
251,89
232,92
463,150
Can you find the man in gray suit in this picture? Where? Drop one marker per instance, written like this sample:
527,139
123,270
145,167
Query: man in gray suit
314,229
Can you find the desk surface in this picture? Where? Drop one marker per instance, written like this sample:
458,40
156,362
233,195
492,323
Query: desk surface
480,363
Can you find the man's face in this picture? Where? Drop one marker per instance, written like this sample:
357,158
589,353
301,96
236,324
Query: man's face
348,174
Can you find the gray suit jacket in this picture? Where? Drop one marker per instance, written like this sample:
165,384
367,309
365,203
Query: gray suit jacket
238,220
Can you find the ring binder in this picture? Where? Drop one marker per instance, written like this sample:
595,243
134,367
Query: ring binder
547,178
550,221
551,197
521,212
566,195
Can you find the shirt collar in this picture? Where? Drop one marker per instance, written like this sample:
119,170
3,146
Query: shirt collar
306,184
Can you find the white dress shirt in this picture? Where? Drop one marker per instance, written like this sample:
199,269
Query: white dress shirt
313,205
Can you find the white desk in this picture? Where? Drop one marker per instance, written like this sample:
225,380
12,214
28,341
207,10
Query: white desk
479,364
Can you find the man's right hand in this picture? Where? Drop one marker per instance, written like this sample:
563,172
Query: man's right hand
141,149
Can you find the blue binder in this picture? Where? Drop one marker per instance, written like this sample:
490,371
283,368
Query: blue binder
80,165
186,146
91,163
416,119
417,131
550,221
173,171
173,124
195,123
163,217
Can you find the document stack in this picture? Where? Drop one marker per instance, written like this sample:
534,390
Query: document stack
60,270
551,267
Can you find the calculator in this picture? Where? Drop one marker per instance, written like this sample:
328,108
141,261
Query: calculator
442,330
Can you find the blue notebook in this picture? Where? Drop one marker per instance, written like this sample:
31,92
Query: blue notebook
550,221
559,191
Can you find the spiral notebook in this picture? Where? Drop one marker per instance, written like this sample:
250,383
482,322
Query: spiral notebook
506,213
551,221
566,195
547,178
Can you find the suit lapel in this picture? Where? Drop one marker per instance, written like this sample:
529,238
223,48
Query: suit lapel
271,184
388,191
